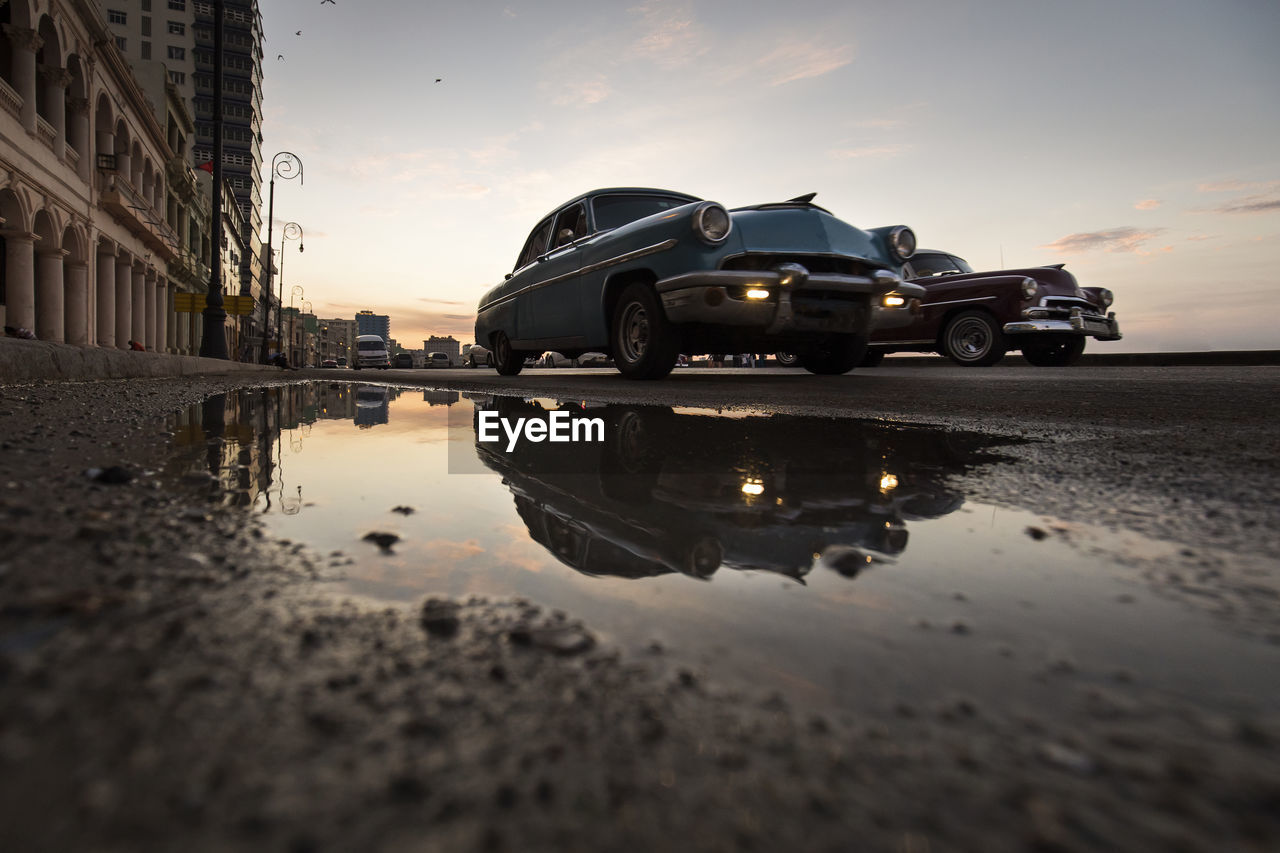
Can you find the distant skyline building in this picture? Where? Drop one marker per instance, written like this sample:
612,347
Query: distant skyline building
450,346
369,323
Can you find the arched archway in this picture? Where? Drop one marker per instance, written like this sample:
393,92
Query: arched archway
17,296
75,286
17,14
48,61
76,118
104,138
105,303
135,162
49,285
121,143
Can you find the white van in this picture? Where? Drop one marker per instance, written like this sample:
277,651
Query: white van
371,351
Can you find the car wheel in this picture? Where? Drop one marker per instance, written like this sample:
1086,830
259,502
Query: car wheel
644,344
703,557
872,358
509,361
488,360
1062,352
973,339
837,354
787,359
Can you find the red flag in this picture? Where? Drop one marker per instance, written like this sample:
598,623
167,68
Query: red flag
208,167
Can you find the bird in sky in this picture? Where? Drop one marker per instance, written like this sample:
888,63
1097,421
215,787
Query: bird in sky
299,32
438,79
322,2
279,56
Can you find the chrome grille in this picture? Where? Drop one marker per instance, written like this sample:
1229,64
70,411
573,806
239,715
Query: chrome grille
813,263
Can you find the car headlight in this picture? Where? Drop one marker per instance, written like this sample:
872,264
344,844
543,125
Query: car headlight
1107,298
711,222
902,242
1029,288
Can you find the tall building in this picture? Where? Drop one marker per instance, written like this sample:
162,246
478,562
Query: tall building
337,338
369,323
179,34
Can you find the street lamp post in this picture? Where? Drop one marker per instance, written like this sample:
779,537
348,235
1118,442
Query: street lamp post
292,231
285,165
297,291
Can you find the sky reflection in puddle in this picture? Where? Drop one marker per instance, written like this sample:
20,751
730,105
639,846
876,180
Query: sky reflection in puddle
832,559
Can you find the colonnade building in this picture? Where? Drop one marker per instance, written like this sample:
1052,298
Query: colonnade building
102,221
179,33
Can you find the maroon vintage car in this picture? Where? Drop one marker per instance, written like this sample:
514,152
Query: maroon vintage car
974,318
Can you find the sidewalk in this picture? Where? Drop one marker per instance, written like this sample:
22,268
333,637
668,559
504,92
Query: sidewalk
28,361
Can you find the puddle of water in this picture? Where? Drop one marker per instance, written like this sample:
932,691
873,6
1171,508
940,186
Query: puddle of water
832,559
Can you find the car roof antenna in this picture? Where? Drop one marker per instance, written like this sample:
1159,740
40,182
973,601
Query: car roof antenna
802,199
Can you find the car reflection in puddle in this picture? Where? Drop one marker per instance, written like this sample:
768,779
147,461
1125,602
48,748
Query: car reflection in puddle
670,491
730,538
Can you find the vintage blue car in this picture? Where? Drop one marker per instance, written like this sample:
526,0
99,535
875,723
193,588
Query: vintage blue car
647,274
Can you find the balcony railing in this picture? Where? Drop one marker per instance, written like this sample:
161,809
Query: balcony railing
45,131
10,99
135,213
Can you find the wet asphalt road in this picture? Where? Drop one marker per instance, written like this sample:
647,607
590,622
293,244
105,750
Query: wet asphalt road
172,678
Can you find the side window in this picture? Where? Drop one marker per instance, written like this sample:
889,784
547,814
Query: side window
536,245
571,224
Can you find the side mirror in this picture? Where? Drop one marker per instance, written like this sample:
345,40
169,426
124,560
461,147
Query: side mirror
507,277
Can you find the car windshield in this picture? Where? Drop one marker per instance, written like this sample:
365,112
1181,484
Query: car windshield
614,211
368,346
937,264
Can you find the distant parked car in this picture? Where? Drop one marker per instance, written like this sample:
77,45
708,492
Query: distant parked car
646,274
329,362
975,317
402,360
342,361
586,359
438,359
478,355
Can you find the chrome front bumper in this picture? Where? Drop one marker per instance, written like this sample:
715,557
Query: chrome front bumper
1078,323
709,297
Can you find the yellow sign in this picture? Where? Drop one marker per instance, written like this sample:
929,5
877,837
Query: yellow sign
194,303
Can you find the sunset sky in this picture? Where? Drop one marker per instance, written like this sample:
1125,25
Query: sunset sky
1138,142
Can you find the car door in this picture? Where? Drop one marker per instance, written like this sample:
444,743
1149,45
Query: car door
521,323
557,301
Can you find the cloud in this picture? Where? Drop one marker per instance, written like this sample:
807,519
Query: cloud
1250,204
1127,239
439,301
1236,186
869,151
449,550
800,60
582,93
880,123
671,36
1147,204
